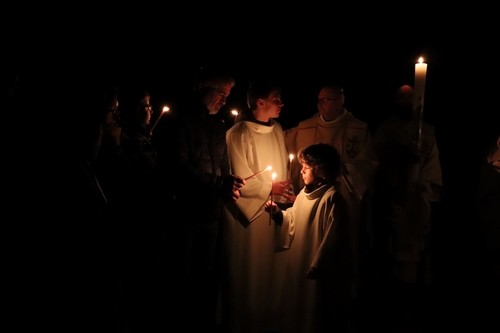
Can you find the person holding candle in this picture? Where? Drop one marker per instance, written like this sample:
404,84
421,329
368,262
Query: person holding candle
144,274
70,258
408,189
253,266
320,270
334,125
111,165
135,117
193,167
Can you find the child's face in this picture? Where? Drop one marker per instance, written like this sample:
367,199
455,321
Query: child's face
307,173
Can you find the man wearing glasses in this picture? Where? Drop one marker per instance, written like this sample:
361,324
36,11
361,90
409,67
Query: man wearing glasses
334,125
194,165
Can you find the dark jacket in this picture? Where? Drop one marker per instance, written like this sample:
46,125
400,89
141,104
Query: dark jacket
192,158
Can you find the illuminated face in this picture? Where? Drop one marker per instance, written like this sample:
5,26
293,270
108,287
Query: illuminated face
272,105
145,111
112,115
330,104
308,174
217,97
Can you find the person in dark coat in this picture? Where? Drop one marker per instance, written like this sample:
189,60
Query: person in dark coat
69,260
193,161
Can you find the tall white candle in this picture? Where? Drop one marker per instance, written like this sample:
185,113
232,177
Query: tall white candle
419,85
418,98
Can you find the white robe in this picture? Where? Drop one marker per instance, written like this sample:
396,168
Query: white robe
407,190
316,230
350,136
254,269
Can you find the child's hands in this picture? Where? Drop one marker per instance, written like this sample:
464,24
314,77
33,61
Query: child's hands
271,207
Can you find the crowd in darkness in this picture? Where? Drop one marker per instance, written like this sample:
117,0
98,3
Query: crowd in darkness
72,211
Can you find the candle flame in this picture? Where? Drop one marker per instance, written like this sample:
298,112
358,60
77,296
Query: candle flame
274,175
166,108
234,112
257,173
291,157
420,60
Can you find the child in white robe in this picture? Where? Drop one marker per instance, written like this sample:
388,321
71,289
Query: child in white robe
316,230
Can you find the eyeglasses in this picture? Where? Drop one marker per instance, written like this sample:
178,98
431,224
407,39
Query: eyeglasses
324,100
278,101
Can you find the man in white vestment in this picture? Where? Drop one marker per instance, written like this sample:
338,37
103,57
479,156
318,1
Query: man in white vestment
254,268
408,180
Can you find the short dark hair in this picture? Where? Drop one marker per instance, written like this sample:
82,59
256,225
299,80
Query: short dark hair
324,158
260,88
335,87
130,98
210,76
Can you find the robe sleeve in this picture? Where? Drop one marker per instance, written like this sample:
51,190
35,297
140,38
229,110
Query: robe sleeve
430,174
257,191
287,231
334,254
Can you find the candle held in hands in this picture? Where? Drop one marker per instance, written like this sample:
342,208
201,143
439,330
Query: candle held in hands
257,173
271,210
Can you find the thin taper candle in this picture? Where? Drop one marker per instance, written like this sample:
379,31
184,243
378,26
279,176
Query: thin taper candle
258,173
165,109
235,114
271,210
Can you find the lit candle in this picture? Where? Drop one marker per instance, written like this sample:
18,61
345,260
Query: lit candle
235,114
257,173
419,86
418,98
165,110
271,210
291,159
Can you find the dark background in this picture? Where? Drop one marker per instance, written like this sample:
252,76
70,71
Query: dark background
370,52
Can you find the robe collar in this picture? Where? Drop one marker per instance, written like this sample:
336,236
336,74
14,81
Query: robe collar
320,191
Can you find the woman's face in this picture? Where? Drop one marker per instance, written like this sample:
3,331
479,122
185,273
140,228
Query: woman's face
145,111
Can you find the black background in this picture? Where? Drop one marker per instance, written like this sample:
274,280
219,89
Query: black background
369,51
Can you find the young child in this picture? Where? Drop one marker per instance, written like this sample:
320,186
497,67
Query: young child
316,230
